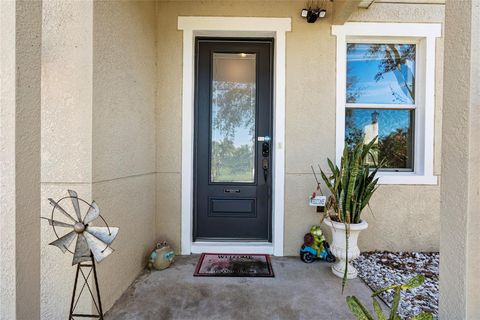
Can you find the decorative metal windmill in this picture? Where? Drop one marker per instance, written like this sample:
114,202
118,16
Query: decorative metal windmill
92,244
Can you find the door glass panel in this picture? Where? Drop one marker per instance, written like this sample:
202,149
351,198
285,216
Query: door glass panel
232,154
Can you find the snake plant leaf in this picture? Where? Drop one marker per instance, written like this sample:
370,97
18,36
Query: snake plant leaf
369,146
376,293
395,303
414,282
358,310
378,310
327,181
352,179
370,190
423,316
333,167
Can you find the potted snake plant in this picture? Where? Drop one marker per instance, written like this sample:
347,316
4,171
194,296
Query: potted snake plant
351,186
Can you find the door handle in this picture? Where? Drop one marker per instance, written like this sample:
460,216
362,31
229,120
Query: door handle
265,166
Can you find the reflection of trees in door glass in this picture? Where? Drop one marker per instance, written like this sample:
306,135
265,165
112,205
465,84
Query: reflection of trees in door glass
233,117
233,131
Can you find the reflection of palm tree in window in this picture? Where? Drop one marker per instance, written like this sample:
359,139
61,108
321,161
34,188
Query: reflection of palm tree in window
399,59
395,60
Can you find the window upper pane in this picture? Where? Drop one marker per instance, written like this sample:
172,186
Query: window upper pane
381,73
394,128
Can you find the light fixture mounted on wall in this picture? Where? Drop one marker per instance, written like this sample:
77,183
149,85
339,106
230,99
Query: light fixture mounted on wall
315,10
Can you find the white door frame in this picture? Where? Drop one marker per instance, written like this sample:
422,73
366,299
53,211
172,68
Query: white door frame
233,27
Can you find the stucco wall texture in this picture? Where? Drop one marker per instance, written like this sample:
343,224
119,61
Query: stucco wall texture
459,283
20,49
405,217
98,135
66,135
123,138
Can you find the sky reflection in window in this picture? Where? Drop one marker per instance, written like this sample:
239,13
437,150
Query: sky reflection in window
381,73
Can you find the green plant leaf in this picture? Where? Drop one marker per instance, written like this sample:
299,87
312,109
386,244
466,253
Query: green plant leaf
378,310
423,316
393,286
395,303
358,309
333,167
327,181
368,147
414,282
347,235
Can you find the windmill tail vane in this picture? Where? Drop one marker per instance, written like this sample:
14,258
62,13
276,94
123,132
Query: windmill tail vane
90,240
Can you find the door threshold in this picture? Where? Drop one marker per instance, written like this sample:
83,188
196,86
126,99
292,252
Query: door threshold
232,247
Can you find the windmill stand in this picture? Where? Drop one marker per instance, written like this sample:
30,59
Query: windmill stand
96,301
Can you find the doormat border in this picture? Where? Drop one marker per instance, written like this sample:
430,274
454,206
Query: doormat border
267,258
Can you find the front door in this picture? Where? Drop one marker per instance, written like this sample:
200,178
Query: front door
233,130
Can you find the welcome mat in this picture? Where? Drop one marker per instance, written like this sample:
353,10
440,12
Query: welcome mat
234,265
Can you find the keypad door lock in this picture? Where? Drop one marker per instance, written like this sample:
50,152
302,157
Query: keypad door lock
266,149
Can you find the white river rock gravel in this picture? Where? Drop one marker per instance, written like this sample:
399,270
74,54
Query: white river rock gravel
381,269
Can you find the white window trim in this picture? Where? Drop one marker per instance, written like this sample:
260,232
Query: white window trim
424,35
233,27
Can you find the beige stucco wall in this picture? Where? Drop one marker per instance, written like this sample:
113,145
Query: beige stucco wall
459,281
406,217
7,160
20,49
66,135
123,153
98,135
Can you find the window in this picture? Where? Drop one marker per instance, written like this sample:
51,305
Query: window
380,101
385,91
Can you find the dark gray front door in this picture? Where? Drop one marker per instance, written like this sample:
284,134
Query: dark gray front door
233,124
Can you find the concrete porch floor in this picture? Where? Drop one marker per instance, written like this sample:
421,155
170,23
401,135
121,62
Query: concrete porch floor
298,291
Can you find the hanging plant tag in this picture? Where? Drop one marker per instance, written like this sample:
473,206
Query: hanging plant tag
317,201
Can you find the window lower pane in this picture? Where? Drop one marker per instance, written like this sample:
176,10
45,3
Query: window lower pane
394,128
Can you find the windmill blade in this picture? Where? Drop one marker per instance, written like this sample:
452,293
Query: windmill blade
82,252
56,223
105,234
64,242
92,214
99,248
65,213
76,206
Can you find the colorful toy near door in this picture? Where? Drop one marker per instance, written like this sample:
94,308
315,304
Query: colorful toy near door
315,247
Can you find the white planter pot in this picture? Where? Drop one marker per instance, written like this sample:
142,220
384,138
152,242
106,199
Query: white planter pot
339,246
